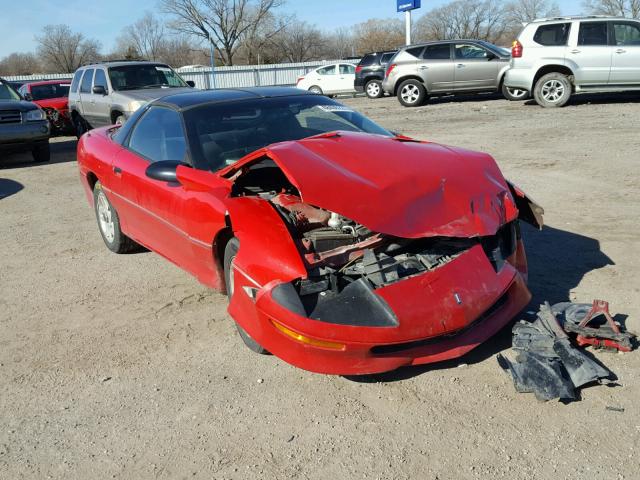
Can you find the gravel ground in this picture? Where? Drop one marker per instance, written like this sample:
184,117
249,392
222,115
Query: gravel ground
125,367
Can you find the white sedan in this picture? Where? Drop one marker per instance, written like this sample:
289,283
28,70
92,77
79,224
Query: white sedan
329,79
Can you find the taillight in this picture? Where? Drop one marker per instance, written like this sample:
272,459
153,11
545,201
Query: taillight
516,49
299,80
358,68
390,69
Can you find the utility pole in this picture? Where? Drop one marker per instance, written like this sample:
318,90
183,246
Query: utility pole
407,21
406,6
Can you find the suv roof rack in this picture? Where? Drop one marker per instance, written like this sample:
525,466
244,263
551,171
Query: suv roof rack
116,60
573,17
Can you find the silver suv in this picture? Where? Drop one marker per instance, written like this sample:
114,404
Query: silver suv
554,58
108,93
446,67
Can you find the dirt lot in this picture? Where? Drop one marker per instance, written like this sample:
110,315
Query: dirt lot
125,367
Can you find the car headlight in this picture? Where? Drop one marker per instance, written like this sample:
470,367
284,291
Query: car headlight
135,105
35,115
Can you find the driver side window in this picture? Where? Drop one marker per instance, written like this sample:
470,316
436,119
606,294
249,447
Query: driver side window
159,136
330,70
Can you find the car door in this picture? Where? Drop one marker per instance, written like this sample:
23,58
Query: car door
326,78
346,78
592,53
625,63
101,103
435,67
154,209
85,95
476,67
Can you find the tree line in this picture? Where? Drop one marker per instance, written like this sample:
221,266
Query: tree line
183,32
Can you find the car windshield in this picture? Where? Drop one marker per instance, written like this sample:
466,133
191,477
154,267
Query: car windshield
133,77
7,93
52,90
220,135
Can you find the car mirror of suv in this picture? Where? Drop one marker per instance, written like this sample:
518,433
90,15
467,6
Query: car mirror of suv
99,90
28,97
191,83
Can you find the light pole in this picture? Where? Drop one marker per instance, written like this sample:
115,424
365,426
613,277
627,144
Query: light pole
406,6
407,26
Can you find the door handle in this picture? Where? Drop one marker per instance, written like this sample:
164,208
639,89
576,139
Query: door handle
575,51
424,67
117,170
460,65
621,50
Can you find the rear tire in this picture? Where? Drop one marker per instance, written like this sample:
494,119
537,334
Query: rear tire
553,90
514,94
373,89
411,93
109,223
230,252
42,153
120,120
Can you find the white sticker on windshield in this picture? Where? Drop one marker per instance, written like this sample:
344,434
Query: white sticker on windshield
334,108
163,69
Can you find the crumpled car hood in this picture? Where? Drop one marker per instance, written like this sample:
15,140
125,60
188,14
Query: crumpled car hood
403,188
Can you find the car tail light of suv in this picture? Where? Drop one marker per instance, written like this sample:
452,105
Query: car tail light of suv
390,69
358,68
516,49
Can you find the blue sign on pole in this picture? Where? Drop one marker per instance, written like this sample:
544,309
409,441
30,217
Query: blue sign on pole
406,5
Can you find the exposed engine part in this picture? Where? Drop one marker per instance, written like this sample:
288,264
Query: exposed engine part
323,239
334,221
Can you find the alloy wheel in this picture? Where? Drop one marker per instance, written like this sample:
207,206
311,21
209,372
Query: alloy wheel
552,91
105,218
373,89
410,94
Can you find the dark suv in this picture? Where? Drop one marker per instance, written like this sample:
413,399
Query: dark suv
370,73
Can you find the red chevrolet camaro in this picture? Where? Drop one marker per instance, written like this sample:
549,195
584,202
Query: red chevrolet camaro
52,96
343,248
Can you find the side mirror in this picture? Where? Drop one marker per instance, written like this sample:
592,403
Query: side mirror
164,171
28,97
191,83
99,90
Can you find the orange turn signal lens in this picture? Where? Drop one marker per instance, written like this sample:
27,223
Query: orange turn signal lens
309,341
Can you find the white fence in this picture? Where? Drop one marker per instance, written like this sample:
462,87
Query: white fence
285,74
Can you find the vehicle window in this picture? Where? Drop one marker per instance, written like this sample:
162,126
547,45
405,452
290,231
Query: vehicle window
415,51
8,93
133,77
330,70
386,57
347,69
627,33
593,33
53,90
368,60
554,35
87,79
470,52
101,79
437,52
22,90
76,81
159,135
220,135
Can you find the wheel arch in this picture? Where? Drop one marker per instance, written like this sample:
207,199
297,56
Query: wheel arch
404,79
544,70
220,242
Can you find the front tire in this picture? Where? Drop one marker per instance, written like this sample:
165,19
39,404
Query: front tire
514,94
109,223
120,120
411,93
316,89
80,125
42,153
553,90
230,253
373,89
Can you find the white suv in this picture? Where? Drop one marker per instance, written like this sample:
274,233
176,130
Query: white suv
554,58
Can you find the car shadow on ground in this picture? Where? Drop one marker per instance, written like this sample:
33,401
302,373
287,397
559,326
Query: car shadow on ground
9,187
63,149
558,260
597,99
463,98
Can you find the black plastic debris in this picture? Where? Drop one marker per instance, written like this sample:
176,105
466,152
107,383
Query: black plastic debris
546,363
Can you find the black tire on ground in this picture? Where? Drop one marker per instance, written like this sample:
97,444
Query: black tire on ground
552,90
316,89
373,89
411,93
120,120
41,153
230,252
106,215
80,125
514,94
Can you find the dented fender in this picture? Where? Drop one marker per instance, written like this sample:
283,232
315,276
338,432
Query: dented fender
530,211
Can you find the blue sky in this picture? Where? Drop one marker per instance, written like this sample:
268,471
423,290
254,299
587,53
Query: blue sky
20,21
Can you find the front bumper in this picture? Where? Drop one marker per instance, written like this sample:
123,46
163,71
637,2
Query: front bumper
16,136
432,326
520,78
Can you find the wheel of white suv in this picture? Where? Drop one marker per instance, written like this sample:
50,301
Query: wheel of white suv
373,89
552,90
411,93
514,94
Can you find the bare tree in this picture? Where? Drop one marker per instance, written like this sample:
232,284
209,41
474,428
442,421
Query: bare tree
179,51
524,11
147,36
257,42
340,43
623,8
484,20
19,64
378,34
222,23
300,42
65,51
